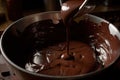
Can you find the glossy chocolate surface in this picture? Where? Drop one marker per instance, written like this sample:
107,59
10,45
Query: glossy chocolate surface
90,49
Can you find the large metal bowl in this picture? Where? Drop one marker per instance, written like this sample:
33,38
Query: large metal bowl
12,53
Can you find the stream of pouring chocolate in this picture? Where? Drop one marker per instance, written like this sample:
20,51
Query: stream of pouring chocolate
68,10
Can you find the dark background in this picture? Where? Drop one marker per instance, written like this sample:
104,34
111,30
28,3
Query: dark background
40,4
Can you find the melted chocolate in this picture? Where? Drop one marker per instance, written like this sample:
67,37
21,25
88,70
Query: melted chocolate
54,60
91,46
90,49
